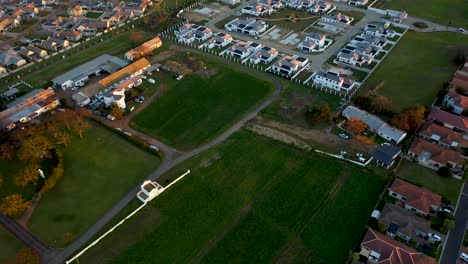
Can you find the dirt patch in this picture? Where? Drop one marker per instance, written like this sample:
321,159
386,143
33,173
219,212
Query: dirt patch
293,105
208,161
280,136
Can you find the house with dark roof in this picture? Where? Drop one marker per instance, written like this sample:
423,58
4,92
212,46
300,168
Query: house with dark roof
265,55
379,31
458,101
435,156
335,81
220,40
443,136
289,65
337,18
249,26
405,225
381,249
385,155
10,58
242,49
449,120
416,199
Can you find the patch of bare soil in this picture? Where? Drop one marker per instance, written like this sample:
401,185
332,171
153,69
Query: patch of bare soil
280,136
293,105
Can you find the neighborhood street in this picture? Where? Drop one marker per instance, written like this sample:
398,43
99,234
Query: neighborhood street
455,236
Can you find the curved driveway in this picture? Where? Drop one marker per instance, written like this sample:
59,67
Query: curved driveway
169,161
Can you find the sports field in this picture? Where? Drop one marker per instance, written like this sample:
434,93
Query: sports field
445,12
250,200
197,108
99,170
416,68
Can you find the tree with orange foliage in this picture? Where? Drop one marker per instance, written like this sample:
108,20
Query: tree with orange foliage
27,256
14,205
364,140
67,117
60,135
28,175
410,118
355,126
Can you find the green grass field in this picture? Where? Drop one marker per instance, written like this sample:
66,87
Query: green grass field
195,109
429,179
416,68
249,200
8,246
99,170
445,12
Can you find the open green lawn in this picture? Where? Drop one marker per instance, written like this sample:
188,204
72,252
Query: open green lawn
9,245
99,170
93,14
249,200
445,12
429,179
196,108
416,68
281,19
8,171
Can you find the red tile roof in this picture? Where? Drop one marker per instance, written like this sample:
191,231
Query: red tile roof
460,122
416,197
458,99
447,135
438,153
392,251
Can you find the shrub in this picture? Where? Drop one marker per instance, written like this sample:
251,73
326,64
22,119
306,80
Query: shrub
444,172
420,24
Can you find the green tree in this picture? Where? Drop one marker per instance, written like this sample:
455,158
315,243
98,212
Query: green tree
444,172
35,148
448,225
28,175
14,204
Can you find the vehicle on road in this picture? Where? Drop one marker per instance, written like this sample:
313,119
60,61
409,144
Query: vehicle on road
128,133
110,117
150,80
433,237
343,135
461,30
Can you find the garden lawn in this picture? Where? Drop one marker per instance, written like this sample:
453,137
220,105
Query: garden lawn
9,245
445,12
195,109
249,200
94,15
416,68
429,179
99,170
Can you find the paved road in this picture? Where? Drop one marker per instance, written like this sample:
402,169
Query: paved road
26,237
455,236
167,164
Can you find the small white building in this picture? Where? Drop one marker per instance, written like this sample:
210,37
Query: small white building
335,81
149,190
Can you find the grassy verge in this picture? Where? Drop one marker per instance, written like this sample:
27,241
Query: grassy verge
9,246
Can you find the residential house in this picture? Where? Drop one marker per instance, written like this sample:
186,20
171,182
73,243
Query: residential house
379,31
89,27
312,42
53,44
443,136
458,101
220,40
32,52
7,24
144,49
375,124
242,49
405,225
202,33
353,58
381,249
265,56
337,18
369,39
136,8
335,81
77,11
385,155
416,199
117,95
452,121
460,78
435,156
289,65
230,2
27,107
149,190
70,35
320,7
10,58
366,49
276,4
248,26
358,2
188,33
300,4
258,10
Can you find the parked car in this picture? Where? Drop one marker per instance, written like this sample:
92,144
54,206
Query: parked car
128,133
461,30
150,80
343,135
464,257
433,237
110,117
385,144
446,210
154,147
118,129
179,77
342,153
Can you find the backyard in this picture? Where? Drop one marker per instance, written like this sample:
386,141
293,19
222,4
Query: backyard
99,170
445,12
193,110
249,200
416,68
429,179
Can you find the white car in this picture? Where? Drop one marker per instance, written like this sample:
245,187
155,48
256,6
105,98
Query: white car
128,133
179,77
118,129
464,257
154,147
342,153
343,135
385,144
434,237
